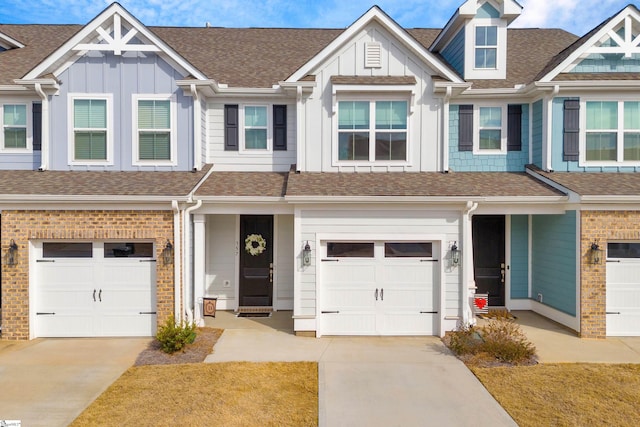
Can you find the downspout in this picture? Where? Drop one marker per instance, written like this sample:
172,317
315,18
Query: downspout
468,282
445,130
197,129
188,286
177,245
44,149
549,130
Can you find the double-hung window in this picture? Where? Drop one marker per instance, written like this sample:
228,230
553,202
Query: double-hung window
91,130
372,131
154,130
256,127
612,131
486,46
14,126
490,128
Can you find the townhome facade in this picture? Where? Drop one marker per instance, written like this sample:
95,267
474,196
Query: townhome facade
373,180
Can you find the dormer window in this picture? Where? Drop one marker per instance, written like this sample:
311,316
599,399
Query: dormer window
486,46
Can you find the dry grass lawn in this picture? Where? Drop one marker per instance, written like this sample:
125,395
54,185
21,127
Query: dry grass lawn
209,394
566,394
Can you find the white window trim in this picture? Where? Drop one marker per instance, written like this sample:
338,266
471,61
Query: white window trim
476,130
173,133
241,125
29,144
371,98
476,46
71,134
582,159
500,72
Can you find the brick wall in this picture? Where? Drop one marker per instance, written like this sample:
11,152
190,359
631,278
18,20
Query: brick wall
23,226
602,226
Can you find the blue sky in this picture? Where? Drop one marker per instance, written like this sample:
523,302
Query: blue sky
577,16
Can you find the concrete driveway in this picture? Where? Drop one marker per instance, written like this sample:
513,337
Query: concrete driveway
377,381
49,382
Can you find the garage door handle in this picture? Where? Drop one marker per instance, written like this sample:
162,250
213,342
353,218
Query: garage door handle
94,295
381,294
613,312
100,295
376,294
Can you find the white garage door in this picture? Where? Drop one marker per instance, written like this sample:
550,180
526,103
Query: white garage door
95,289
623,289
379,288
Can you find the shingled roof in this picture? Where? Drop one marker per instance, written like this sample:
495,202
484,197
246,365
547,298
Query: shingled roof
595,183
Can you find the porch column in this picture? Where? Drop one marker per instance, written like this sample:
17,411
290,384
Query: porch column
468,282
199,253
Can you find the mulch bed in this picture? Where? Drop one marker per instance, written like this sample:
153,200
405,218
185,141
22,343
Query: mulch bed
196,352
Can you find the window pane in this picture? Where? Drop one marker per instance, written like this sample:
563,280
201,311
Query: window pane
490,117
391,115
154,114
349,250
487,36
91,145
602,115
353,146
632,115
623,250
353,115
15,138
128,250
67,250
601,146
15,115
408,250
154,146
255,139
255,116
391,146
631,146
490,139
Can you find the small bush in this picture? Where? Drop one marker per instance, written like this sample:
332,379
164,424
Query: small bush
174,337
500,340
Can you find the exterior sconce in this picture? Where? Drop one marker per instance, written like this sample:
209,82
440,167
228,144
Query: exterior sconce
455,254
12,253
306,255
167,253
595,253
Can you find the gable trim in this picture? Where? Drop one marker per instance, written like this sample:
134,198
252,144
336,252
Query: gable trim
9,42
374,14
118,12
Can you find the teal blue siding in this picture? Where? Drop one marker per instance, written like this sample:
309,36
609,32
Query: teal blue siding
466,161
454,52
554,260
557,162
537,132
519,256
487,11
608,63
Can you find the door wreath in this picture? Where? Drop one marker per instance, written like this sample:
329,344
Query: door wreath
255,244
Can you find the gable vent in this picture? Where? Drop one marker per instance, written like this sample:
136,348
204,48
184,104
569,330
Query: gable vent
373,55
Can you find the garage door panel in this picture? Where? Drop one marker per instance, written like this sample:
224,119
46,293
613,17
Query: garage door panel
408,323
623,292
58,325
355,323
349,272
127,325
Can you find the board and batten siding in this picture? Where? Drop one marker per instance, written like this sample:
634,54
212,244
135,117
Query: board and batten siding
554,261
121,77
371,223
247,161
424,133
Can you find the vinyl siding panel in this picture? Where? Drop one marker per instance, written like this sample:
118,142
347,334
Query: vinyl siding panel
554,260
537,132
454,52
519,256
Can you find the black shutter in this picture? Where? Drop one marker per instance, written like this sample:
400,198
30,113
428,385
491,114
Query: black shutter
571,130
231,128
280,127
465,128
37,126
514,128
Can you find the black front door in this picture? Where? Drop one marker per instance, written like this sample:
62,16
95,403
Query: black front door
488,257
256,260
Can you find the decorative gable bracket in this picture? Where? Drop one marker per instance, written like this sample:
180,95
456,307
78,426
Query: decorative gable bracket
628,45
116,42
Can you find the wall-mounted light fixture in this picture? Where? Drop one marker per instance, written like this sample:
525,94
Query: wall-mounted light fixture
167,253
455,254
306,254
595,253
12,253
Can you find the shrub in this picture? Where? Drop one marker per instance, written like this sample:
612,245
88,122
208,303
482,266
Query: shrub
173,336
465,340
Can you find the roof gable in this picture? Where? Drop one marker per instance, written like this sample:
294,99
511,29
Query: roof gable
617,38
375,14
114,30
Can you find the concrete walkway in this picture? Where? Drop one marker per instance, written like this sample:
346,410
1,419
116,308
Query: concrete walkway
412,381
49,382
